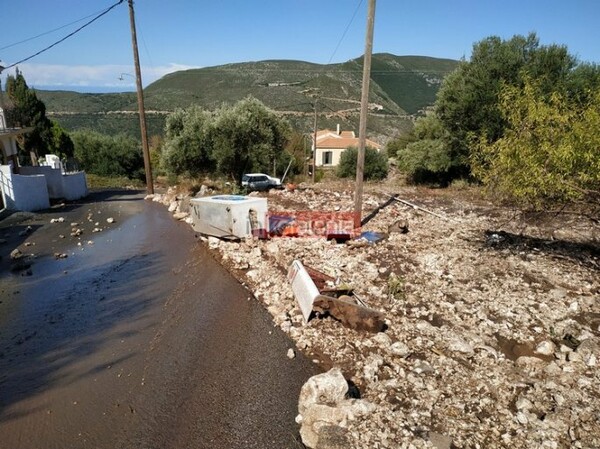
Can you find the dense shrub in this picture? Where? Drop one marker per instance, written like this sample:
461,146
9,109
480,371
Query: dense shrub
109,155
376,164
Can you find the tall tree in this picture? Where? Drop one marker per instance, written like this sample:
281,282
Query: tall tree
232,141
249,137
468,101
29,111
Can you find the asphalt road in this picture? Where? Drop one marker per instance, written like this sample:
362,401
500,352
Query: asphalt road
136,339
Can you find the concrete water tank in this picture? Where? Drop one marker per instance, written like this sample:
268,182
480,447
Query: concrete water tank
230,216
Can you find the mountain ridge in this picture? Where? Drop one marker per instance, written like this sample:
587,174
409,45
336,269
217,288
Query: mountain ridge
401,87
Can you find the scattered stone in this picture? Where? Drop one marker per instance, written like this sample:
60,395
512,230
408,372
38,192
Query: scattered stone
291,353
110,220
60,255
16,254
57,220
545,348
467,349
181,215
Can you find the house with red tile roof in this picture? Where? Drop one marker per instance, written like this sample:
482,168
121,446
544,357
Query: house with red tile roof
331,145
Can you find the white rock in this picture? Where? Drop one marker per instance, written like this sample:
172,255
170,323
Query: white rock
400,349
545,348
523,404
382,339
110,220
291,353
213,242
458,345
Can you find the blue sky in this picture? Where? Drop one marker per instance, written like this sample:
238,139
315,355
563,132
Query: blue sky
181,34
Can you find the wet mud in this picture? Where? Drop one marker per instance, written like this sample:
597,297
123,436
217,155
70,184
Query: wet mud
139,339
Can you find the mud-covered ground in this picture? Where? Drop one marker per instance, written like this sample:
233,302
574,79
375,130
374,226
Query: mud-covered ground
118,330
493,337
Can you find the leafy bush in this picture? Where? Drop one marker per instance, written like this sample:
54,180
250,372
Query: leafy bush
549,152
109,155
376,164
427,158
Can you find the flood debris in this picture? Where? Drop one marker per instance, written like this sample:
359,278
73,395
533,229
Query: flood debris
349,313
343,309
484,347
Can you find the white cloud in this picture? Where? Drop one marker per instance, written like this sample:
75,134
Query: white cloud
104,76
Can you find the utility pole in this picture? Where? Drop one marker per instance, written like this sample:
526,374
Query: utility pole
140,97
314,158
364,108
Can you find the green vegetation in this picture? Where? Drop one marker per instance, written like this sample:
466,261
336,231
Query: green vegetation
245,137
519,137
112,182
423,154
549,152
376,164
27,110
400,85
109,156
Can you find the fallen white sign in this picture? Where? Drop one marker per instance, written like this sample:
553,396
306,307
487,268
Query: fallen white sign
303,287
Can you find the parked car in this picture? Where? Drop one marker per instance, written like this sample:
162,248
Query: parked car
260,181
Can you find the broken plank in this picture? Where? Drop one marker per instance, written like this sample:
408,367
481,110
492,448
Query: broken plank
350,314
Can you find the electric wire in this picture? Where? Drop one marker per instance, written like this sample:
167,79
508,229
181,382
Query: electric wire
345,31
106,11
50,31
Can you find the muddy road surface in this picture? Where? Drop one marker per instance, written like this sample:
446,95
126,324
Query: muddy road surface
134,337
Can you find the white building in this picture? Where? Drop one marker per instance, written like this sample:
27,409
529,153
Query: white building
331,145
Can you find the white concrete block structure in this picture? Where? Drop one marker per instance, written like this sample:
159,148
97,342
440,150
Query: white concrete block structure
31,188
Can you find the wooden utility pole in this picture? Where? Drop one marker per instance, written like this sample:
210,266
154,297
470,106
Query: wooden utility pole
364,108
140,97
314,155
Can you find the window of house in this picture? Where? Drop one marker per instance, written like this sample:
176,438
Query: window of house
327,157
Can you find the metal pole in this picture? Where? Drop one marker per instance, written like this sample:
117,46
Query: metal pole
364,107
140,97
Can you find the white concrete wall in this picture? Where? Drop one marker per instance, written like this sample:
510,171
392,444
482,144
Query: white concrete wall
53,178
74,186
70,187
27,193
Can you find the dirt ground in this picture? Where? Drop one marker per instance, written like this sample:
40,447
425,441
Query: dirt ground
493,320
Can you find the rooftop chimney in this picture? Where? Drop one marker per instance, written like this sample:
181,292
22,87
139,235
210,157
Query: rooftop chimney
338,129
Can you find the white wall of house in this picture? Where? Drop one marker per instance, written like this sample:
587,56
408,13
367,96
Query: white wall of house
19,192
333,157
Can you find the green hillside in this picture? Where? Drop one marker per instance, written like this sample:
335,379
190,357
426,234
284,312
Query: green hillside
401,86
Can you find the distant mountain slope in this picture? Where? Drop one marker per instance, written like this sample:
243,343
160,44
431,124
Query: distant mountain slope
401,86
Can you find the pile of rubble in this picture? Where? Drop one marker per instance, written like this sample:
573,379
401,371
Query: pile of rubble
493,324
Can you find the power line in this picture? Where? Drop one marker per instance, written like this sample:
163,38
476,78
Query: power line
67,36
50,31
345,31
